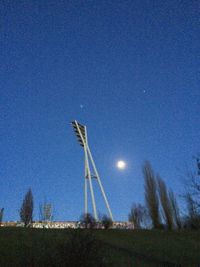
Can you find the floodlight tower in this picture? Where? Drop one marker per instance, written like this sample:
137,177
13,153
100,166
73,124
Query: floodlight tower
81,133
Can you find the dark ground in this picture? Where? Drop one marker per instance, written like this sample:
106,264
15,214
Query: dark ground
116,248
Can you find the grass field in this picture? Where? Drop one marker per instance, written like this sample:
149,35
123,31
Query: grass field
118,248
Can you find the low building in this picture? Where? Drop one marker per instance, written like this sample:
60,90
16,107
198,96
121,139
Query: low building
67,225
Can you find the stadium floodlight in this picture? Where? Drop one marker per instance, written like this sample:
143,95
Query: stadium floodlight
81,134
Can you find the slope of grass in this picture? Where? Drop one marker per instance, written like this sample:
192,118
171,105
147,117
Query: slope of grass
178,248
119,248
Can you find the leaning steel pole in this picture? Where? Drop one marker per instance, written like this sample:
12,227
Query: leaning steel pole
100,184
91,187
85,190
81,133
89,175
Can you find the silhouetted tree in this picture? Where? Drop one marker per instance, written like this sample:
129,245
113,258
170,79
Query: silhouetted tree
26,211
137,215
165,203
175,209
192,197
1,215
192,208
151,195
193,217
88,221
46,212
106,222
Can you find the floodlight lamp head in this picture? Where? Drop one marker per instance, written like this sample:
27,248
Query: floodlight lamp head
80,132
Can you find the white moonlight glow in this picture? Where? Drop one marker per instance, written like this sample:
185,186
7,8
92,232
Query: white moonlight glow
121,164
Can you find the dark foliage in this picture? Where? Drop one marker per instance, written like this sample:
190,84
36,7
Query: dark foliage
82,249
106,222
175,210
192,198
165,204
192,223
1,215
151,195
26,211
137,215
192,220
88,221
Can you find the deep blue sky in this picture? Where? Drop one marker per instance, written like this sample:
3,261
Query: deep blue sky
129,70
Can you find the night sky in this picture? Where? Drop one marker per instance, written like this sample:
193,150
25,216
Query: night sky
129,70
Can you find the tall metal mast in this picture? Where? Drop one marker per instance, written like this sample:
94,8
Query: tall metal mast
81,133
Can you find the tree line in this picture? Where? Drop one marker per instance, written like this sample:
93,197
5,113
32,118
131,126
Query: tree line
161,210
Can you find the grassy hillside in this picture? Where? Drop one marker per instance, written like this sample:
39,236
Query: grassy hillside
157,247
117,248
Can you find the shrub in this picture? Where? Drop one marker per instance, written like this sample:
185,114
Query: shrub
106,222
82,249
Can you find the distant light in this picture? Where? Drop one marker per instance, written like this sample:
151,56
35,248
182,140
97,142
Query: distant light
121,164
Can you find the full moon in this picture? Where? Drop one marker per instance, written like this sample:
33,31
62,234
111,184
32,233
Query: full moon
121,164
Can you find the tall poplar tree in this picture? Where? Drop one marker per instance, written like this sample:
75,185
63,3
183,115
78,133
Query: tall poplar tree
26,211
151,194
